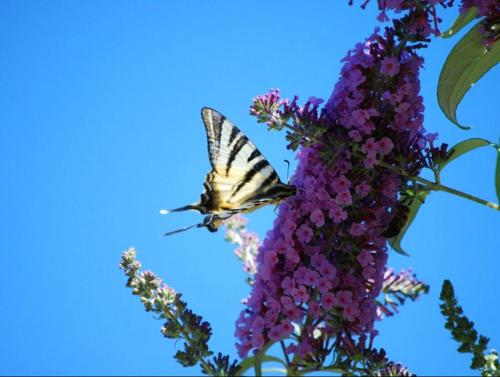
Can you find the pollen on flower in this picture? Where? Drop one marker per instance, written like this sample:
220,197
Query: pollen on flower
328,271
369,162
351,312
363,189
311,278
344,198
364,258
324,285
344,298
304,234
317,218
328,300
370,147
341,184
300,294
337,214
389,66
357,229
385,146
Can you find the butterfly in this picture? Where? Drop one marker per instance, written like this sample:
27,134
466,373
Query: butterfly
241,179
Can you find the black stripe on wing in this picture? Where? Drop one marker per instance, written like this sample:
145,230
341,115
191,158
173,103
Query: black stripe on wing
270,191
240,143
213,121
273,178
218,126
234,133
254,155
262,164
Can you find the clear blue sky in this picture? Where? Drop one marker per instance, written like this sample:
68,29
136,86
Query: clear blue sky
100,128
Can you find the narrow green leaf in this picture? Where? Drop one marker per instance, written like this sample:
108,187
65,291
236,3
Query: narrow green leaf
497,175
246,365
467,62
417,201
249,362
461,21
273,359
463,147
274,370
259,357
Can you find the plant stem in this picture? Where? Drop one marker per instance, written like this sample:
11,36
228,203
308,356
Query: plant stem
285,354
186,336
439,187
435,186
258,363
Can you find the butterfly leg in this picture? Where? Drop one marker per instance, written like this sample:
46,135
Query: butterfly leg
212,222
207,220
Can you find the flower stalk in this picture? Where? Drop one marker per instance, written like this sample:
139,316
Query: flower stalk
181,323
429,185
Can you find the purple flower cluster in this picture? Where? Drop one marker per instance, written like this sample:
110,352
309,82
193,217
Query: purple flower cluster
323,263
154,293
248,243
319,261
397,107
420,20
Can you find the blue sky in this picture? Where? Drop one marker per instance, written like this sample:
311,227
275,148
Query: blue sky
100,128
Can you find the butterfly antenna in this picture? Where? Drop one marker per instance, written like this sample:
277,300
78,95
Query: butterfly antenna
287,169
180,209
183,229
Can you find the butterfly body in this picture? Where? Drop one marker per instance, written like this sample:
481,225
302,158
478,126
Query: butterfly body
241,179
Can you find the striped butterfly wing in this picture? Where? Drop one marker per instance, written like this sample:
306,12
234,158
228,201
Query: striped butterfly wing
241,177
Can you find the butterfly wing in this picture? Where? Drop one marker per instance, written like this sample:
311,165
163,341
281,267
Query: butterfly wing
240,176
241,179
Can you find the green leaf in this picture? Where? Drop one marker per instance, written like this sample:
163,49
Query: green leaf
467,62
461,21
414,206
463,147
274,371
249,362
497,175
246,365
